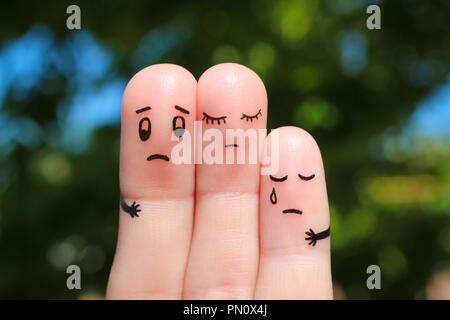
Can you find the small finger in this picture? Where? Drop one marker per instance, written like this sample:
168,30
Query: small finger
292,201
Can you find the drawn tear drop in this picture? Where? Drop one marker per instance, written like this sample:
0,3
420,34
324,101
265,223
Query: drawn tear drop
273,196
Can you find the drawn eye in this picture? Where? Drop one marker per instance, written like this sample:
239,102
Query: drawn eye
278,179
212,119
306,178
178,126
145,128
247,118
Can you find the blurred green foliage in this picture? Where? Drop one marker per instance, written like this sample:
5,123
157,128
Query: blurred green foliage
352,88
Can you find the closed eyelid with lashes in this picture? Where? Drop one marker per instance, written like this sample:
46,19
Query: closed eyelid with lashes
208,118
247,117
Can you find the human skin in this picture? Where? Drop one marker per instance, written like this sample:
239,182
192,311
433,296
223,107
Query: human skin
226,239
286,256
152,249
210,231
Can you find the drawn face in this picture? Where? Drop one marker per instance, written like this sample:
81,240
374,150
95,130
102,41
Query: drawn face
231,96
158,104
293,188
235,99
145,129
273,194
294,197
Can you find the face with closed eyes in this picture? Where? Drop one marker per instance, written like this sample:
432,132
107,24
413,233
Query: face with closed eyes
273,194
297,188
158,109
234,97
231,96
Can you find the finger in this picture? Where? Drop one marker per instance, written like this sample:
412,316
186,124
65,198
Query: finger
153,243
224,253
294,207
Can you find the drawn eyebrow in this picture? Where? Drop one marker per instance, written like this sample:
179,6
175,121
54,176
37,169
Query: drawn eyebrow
306,178
181,109
278,179
143,109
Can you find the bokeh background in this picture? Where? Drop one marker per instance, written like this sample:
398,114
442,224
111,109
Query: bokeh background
377,102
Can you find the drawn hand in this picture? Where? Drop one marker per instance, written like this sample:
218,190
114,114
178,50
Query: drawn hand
312,236
216,231
134,209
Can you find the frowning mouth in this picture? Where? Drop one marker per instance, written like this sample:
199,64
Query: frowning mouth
231,145
158,156
292,211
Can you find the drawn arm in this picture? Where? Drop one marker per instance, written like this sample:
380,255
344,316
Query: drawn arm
314,237
132,210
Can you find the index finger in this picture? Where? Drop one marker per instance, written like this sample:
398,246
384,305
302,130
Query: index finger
155,223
